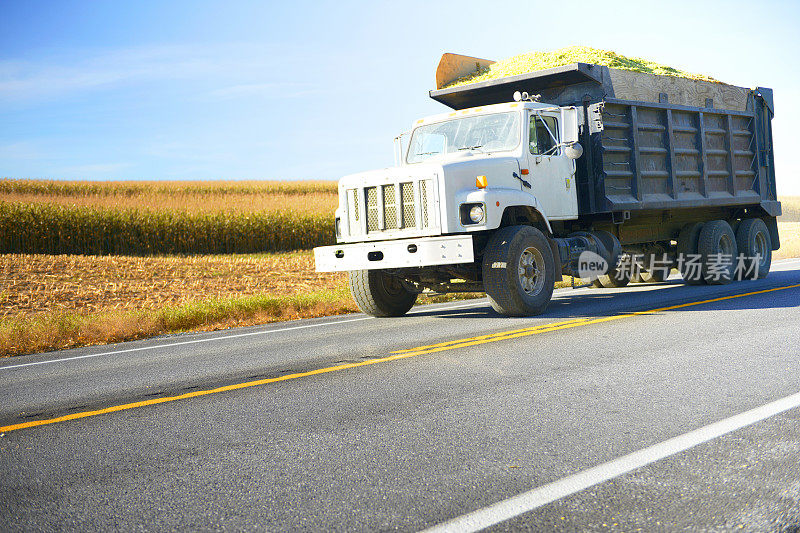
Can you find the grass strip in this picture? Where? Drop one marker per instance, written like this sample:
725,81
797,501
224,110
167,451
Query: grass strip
56,331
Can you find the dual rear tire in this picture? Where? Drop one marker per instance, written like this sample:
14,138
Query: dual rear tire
754,241
717,248
710,253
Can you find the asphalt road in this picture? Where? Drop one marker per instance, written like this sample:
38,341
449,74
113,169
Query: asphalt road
354,423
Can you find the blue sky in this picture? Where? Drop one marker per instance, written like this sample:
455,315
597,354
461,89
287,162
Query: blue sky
316,90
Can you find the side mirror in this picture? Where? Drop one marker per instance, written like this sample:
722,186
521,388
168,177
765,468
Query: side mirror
573,151
569,119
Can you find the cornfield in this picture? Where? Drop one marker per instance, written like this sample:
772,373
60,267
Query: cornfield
313,203
52,229
139,188
790,205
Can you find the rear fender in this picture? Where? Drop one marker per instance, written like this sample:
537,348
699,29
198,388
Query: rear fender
772,226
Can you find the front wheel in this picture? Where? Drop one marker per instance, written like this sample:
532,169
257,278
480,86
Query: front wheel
380,294
518,271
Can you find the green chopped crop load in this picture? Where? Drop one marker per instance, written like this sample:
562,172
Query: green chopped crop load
532,61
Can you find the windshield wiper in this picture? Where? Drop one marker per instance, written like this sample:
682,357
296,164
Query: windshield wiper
472,147
427,153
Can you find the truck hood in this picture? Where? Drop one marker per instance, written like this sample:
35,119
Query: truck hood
460,173
458,170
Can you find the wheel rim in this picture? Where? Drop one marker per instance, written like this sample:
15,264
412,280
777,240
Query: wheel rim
726,245
531,271
392,285
760,249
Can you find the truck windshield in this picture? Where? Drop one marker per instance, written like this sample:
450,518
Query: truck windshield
498,132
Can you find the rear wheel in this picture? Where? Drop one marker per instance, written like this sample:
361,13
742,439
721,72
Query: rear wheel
380,294
717,249
518,271
752,239
687,250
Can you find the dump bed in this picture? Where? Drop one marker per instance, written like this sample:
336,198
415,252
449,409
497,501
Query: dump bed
660,143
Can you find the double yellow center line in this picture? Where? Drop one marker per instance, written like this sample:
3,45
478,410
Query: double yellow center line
400,354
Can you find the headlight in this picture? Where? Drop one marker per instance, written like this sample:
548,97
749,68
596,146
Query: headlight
476,214
472,214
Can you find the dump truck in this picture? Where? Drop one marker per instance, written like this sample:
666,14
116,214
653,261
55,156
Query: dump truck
562,171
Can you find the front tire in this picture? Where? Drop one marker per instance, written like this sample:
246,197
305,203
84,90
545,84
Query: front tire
518,271
379,294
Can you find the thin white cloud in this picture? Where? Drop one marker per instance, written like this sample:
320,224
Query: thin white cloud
60,76
19,151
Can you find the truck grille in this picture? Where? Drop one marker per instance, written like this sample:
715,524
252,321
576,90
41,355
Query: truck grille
373,215
409,214
390,208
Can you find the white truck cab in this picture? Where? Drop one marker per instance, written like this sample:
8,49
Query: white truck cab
427,222
461,172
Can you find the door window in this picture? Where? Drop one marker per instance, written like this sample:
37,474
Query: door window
543,135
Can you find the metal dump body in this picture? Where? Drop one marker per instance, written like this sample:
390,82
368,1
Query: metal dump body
661,156
665,143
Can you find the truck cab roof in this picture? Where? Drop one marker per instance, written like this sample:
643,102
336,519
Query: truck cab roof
483,110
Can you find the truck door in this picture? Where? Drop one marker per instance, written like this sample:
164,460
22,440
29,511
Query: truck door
552,174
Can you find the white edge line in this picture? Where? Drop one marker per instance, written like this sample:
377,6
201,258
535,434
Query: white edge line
540,496
213,339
